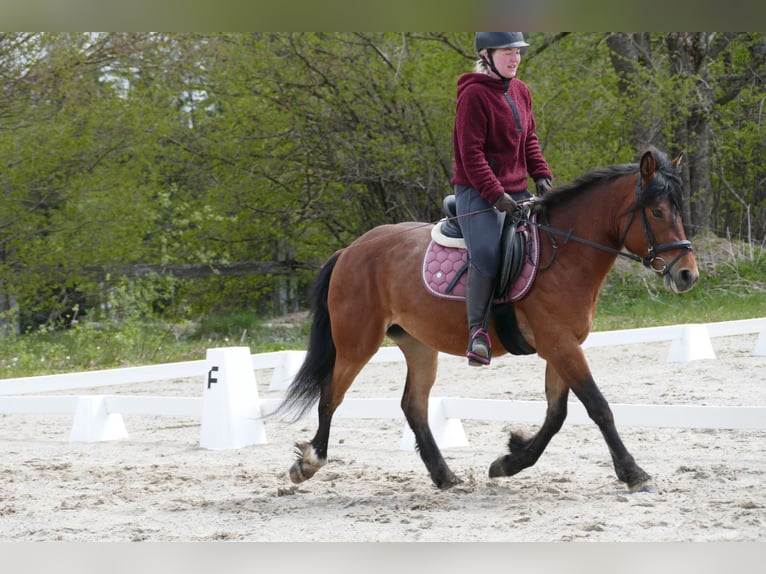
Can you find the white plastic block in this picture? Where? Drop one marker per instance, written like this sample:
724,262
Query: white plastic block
760,345
231,409
93,423
693,344
285,371
448,432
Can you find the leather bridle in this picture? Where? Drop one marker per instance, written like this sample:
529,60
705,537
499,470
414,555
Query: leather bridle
653,251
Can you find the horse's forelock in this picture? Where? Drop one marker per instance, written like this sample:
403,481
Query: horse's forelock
666,184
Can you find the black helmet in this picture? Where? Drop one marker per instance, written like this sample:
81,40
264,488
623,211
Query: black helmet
493,40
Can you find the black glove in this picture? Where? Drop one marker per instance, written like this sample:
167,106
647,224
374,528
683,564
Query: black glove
542,186
505,204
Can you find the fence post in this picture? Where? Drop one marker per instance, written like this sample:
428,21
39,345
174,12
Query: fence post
285,371
760,345
93,423
692,344
231,409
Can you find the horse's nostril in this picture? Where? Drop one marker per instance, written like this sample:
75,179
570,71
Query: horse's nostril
687,277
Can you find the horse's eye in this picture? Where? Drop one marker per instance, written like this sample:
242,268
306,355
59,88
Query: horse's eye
657,213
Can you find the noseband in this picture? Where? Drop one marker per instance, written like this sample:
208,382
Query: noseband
653,251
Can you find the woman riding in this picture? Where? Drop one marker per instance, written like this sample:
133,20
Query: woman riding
495,148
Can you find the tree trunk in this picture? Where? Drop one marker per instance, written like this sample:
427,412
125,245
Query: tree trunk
688,57
689,60
9,316
629,53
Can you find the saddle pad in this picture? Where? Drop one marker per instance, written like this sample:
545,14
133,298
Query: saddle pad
441,264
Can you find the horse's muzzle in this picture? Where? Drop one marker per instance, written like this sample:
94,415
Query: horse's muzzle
681,279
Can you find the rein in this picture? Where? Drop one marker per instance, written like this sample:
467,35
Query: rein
454,218
648,260
652,253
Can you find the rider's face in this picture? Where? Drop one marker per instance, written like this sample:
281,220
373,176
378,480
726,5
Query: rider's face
507,61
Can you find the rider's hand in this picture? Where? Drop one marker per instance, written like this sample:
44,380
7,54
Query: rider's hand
505,204
542,186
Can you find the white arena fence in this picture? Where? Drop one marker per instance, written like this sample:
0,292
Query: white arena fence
231,411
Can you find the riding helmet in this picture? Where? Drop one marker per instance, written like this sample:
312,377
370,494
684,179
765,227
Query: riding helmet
494,40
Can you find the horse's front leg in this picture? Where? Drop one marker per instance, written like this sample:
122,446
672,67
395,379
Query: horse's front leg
624,464
421,375
417,417
524,452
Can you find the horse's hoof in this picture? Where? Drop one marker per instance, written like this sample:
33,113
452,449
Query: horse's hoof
307,464
449,482
644,486
496,469
296,473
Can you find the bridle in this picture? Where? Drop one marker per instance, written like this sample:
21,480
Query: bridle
653,251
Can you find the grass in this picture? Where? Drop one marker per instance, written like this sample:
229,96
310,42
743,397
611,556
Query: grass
103,346
731,287
654,307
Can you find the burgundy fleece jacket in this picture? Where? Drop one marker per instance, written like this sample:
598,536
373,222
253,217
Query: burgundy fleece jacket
491,154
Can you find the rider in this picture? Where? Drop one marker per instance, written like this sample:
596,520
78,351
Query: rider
495,147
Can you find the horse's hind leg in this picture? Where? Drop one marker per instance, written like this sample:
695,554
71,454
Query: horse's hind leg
313,455
524,452
422,364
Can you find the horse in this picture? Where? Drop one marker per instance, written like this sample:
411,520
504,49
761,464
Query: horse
370,290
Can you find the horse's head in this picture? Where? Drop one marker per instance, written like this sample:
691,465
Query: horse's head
660,240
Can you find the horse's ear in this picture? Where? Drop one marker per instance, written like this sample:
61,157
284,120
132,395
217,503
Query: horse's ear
648,165
677,162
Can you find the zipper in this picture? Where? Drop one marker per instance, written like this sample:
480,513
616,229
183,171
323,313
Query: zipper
507,85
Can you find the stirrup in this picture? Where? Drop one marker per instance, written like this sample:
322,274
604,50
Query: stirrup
478,353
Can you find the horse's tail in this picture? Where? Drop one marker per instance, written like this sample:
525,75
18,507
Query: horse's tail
316,371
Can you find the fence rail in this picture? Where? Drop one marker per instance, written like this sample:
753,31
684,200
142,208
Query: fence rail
230,405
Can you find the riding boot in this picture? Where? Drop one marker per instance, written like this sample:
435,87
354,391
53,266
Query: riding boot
478,297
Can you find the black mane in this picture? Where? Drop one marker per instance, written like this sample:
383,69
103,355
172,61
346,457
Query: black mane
666,183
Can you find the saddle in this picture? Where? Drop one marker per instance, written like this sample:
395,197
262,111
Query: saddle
445,267
513,244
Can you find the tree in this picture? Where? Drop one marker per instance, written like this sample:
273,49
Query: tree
79,141
207,155
313,138
696,75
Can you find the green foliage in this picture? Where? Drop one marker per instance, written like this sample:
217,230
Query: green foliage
94,346
645,305
631,298
167,149
581,119
731,286
251,330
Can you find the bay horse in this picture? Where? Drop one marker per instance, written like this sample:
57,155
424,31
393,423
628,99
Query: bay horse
370,290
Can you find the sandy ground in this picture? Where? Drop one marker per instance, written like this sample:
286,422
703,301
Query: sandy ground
159,485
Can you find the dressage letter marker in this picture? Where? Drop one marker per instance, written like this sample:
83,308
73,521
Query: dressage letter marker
231,409
210,379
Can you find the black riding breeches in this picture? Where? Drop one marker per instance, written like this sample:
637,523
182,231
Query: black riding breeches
481,226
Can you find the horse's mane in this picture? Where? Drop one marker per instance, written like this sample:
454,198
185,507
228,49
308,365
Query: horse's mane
666,183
